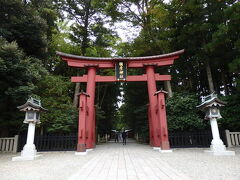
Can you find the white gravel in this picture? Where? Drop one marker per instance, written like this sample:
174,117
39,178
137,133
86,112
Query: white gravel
50,165
205,166
192,162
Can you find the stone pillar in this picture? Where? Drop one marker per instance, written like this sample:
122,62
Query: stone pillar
30,134
15,145
216,144
217,147
106,138
227,134
91,83
29,151
81,146
165,147
151,82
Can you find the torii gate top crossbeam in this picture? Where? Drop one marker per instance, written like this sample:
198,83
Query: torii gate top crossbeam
132,62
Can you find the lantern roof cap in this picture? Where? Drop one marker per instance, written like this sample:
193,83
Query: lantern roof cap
32,103
211,100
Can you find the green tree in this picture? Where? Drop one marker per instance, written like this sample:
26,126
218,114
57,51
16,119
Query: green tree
134,109
201,28
18,77
182,114
54,92
88,30
20,23
230,113
232,29
61,42
106,104
48,11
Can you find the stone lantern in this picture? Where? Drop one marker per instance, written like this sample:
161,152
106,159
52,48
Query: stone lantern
32,117
211,106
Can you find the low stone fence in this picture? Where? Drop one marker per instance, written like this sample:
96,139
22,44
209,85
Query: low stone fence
103,138
9,144
233,138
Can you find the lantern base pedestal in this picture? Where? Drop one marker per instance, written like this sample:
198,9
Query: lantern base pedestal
25,158
223,153
29,152
81,153
166,151
156,148
218,149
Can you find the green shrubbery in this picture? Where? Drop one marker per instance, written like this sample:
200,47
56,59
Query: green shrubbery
182,113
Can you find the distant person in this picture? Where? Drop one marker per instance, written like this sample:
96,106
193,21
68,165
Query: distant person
120,136
116,136
124,136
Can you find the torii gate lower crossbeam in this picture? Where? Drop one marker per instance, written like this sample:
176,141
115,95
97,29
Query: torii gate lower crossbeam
157,112
137,78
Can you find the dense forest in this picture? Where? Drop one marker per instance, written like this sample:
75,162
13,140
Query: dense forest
31,31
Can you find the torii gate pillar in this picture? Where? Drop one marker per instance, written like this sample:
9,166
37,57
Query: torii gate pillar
153,121
82,122
162,118
91,83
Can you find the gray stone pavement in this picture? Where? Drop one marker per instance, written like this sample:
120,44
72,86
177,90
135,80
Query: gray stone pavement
115,161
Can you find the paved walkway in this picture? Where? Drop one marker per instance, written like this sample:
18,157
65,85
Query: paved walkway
114,161
132,162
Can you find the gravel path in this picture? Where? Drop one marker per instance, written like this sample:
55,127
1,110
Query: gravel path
115,161
204,166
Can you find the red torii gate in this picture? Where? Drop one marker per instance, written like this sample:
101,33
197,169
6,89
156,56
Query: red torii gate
158,130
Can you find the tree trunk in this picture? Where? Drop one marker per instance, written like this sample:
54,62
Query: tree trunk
209,77
225,86
76,92
85,31
190,82
230,82
83,48
217,87
104,93
168,87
